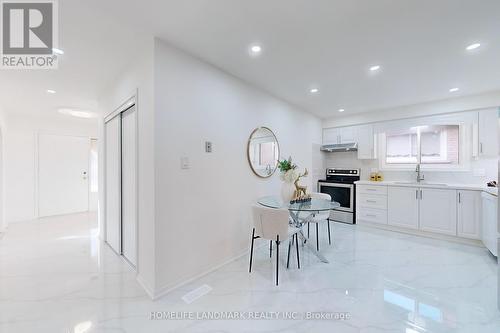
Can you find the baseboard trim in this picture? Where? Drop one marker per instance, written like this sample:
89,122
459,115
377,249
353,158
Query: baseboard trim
144,285
169,288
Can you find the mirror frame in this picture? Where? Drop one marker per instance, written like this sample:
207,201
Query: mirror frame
248,151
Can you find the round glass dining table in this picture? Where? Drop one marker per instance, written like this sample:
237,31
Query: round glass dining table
301,213
315,205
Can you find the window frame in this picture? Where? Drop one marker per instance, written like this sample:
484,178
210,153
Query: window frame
464,153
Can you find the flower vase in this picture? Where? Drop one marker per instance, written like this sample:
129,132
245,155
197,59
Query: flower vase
287,191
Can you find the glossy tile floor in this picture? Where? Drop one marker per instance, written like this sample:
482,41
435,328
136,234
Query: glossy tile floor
56,276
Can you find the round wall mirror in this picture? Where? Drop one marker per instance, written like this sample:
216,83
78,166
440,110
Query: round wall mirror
263,152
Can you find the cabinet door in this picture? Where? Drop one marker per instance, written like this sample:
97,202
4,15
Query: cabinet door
489,223
438,211
488,133
331,136
402,207
348,134
366,142
469,203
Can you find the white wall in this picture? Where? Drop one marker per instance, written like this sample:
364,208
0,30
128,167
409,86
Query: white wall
20,138
472,176
3,222
137,78
203,213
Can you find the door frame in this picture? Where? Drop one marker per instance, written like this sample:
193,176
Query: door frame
127,104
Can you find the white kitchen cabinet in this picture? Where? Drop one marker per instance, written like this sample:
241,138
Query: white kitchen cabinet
488,133
366,143
489,233
340,135
348,134
403,207
331,136
438,211
371,204
469,214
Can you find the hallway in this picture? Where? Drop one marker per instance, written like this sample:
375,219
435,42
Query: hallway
56,276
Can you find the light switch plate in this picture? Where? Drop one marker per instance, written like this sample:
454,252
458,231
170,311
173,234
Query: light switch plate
185,163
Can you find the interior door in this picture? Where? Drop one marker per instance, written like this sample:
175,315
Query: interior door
129,184
113,183
63,163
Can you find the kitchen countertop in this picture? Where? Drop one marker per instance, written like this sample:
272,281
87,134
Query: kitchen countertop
474,187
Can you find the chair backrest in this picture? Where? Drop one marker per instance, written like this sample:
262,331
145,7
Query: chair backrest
270,222
324,196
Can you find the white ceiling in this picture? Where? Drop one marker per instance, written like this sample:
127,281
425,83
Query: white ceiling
96,50
325,43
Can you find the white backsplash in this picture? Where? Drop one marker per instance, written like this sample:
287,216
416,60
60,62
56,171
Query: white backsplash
482,171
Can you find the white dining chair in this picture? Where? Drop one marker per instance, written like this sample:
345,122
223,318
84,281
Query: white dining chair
320,217
273,225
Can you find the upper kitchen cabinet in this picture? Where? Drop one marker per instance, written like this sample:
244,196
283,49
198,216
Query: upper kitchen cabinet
486,134
340,135
367,147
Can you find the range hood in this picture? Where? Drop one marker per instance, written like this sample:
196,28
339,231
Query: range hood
340,147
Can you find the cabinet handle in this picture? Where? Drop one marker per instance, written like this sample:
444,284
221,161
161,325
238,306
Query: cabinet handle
371,201
371,215
371,189
421,195
481,147
416,194
459,197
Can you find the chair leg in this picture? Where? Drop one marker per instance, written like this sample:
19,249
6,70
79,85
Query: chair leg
251,251
317,237
277,257
288,256
270,249
297,248
308,227
329,237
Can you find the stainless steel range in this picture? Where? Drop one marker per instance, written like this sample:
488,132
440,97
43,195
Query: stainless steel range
339,184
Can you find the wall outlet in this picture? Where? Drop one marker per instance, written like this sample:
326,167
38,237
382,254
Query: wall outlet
208,146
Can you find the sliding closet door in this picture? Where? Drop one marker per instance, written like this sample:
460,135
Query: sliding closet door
129,184
113,183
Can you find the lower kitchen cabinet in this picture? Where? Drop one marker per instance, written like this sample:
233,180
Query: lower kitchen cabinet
469,214
489,222
446,211
438,211
402,207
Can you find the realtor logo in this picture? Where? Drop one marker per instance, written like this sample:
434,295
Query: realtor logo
29,34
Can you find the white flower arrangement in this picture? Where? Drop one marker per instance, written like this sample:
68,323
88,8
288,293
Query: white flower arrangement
289,176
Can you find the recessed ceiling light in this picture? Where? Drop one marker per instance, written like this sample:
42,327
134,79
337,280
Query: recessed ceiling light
314,90
76,113
57,51
473,46
255,50
454,89
341,110
50,91
375,68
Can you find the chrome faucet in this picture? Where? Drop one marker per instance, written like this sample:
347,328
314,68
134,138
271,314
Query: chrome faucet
420,176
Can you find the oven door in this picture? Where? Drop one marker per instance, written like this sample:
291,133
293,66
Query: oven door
341,193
